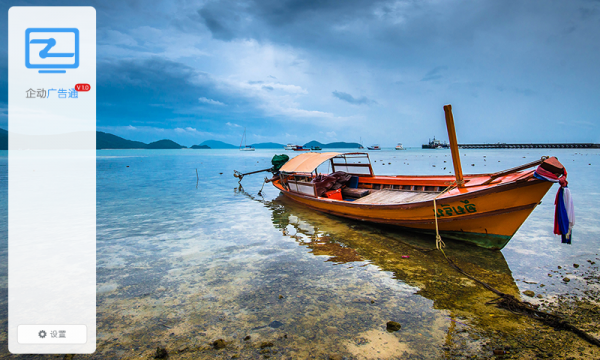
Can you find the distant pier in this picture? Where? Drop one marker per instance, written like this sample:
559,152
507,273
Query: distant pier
531,146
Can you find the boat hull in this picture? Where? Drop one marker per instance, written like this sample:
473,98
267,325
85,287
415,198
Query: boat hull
487,217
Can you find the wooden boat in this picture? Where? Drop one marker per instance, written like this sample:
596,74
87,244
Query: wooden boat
316,148
374,147
483,209
301,148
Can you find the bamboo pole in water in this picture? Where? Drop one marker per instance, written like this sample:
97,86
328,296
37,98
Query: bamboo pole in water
454,146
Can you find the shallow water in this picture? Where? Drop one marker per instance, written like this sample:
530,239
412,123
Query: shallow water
183,261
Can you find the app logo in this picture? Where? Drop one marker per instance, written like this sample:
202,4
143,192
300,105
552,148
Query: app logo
52,50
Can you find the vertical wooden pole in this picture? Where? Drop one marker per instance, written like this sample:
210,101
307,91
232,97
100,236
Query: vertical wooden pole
454,146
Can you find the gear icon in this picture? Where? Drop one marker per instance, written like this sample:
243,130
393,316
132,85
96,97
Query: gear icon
42,334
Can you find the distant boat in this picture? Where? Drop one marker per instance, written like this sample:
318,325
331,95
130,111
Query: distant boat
360,146
374,147
435,144
290,147
399,147
316,148
245,147
300,148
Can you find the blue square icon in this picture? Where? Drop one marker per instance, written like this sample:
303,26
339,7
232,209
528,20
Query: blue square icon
52,49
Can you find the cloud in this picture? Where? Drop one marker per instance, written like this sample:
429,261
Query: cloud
434,74
232,124
210,101
363,100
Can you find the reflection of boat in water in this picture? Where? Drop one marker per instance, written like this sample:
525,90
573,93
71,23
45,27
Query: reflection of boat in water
399,253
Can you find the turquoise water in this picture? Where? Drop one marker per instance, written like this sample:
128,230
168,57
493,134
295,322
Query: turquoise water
185,260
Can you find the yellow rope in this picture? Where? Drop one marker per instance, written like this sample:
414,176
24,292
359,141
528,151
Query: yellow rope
439,243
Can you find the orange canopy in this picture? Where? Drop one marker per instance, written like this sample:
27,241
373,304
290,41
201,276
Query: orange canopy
306,163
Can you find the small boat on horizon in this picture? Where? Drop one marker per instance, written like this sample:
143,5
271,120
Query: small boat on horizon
300,148
245,147
399,147
374,147
360,146
316,148
290,147
435,144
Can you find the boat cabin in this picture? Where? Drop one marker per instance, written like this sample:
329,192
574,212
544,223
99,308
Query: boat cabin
299,175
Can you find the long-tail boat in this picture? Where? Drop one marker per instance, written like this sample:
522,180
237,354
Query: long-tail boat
483,209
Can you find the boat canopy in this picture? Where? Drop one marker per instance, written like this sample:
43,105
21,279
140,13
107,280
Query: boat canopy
307,163
351,163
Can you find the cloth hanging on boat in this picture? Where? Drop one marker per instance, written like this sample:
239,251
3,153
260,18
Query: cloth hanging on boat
561,219
564,212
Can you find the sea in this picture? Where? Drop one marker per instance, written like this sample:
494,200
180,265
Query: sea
187,255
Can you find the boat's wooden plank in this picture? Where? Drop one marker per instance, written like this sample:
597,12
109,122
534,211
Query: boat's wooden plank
394,197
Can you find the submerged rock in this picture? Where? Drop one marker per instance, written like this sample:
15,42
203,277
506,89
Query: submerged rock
219,344
529,293
265,344
161,353
393,326
275,324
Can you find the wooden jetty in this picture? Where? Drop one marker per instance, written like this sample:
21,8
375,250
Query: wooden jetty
531,146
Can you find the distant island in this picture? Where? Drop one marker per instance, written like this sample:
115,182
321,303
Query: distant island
3,139
333,145
106,141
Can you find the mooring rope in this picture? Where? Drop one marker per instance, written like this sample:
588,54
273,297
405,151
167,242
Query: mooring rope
507,301
439,243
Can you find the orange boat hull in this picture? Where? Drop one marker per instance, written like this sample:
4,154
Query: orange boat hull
487,215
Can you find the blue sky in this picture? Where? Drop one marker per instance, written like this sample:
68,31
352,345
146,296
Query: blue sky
295,71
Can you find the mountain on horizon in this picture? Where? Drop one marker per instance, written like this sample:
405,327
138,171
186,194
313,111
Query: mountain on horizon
3,139
216,144
165,144
113,142
110,141
333,145
268,145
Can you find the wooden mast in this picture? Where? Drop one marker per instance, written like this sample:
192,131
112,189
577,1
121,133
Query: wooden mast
454,146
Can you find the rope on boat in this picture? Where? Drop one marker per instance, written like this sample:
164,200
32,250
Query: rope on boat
507,301
439,243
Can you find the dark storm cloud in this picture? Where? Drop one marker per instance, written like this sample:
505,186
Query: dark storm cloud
152,91
218,21
352,100
389,31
